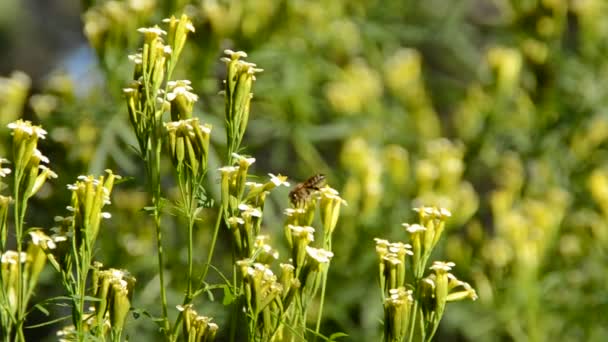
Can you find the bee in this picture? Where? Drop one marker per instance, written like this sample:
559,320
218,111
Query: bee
301,193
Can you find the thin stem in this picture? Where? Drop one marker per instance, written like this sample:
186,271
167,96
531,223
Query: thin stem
190,247
154,176
82,279
201,281
159,247
235,305
20,208
320,315
20,336
216,230
412,322
187,201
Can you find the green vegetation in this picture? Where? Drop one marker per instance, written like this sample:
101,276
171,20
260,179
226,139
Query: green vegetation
486,116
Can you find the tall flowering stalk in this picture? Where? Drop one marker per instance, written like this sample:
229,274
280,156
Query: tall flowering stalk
70,251
89,196
188,142
276,306
149,96
20,268
237,94
310,264
414,303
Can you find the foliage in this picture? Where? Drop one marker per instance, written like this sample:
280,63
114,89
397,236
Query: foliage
491,109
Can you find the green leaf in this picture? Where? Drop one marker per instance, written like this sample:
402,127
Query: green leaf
49,322
42,309
210,294
228,296
335,336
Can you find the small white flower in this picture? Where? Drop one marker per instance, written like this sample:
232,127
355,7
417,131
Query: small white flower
190,27
240,158
249,210
254,185
332,194
39,155
228,169
4,171
278,180
442,266
152,30
205,128
425,210
49,173
11,257
183,307
106,215
235,220
382,242
320,255
27,128
413,228
392,259
293,211
287,267
302,231
137,59
179,83
20,125
184,91
443,212
235,54
399,247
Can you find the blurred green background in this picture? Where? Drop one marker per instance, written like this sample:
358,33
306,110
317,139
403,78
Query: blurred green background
494,109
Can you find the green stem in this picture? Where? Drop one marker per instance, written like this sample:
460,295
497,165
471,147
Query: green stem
235,305
159,247
82,279
322,301
412,322
201,281
20,336
154,176
20,208
190,247
216,230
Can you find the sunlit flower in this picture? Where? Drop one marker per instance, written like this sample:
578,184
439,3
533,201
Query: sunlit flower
322,256
4,171
137,59
294,211
41,239
242,159
27,128
228,169
233,55
156,31
11,257
413,228
278,180
248,210
40,156
442,266
302,231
